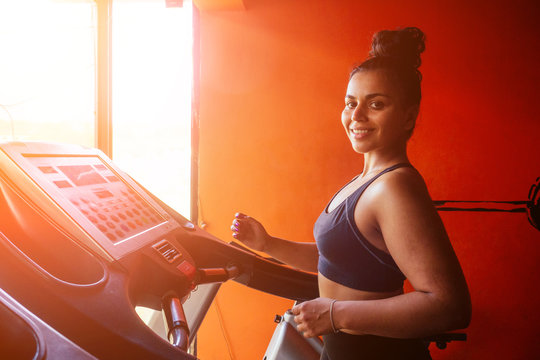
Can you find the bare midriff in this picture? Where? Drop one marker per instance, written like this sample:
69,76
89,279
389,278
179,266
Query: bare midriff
333,290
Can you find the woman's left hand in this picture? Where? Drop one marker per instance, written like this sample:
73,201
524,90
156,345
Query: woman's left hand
313,317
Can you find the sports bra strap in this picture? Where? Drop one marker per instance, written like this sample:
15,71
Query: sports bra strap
393,167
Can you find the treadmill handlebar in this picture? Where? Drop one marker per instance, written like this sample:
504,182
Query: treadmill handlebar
177,327
213,275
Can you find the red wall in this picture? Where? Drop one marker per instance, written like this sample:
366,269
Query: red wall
272,84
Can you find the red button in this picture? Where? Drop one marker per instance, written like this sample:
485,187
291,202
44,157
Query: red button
187,269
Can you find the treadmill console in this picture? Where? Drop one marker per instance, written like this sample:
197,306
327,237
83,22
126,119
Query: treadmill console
87,195
94,245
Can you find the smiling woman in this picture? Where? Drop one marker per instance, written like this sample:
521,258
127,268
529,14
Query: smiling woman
47,71
364,245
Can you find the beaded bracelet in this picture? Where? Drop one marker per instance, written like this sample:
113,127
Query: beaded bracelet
332,317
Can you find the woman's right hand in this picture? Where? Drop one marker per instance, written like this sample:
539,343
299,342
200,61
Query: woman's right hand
249,231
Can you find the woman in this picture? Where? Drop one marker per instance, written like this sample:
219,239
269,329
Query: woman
379,229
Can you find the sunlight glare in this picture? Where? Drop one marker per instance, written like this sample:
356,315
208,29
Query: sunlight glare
152,72
47,71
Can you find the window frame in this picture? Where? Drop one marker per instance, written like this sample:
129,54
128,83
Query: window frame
103,119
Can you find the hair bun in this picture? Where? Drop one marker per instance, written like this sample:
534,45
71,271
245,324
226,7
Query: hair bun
404,45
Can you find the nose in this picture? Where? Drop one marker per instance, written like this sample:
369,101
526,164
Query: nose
359,114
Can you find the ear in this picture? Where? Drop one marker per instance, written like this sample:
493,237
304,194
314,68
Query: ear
410,117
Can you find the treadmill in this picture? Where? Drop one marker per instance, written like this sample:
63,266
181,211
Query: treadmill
82,245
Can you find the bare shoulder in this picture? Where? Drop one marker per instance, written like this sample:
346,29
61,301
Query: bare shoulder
403,211
399,187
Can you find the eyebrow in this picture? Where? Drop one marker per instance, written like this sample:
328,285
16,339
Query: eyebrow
368,96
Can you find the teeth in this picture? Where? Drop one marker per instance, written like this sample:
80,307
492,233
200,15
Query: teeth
360,131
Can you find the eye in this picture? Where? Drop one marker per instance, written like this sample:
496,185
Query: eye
376,105
350,104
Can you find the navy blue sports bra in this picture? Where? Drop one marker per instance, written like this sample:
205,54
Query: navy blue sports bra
345,256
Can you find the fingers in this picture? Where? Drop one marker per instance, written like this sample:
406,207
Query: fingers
236,228
297,309
310,317
308,333
238,220
238,225
302,328
299,319
305,327
240,215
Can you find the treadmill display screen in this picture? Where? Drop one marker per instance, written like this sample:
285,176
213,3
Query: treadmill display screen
110,204
82,174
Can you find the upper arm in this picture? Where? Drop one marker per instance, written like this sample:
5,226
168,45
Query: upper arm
416,238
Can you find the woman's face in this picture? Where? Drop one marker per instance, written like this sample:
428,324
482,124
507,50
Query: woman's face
374,116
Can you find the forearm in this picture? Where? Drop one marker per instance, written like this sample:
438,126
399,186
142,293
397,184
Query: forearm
301,255
412,315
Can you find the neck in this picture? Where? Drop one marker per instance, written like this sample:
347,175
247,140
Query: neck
376,161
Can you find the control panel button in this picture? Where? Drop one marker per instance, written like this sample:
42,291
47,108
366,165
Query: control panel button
187,269
47,169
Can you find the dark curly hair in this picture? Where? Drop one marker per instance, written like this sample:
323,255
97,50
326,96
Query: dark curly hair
397,52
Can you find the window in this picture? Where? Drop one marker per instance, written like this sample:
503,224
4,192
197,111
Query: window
48,76
47,71
151,96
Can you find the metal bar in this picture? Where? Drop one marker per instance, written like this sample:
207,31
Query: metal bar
518,210
195,119
442,202
482,206
103,131
177,327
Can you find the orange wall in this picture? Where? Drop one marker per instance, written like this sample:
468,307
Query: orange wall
272,83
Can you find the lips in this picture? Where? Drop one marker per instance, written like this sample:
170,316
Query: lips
359,133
